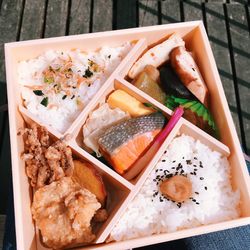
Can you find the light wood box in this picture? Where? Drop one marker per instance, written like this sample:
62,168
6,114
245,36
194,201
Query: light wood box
121,191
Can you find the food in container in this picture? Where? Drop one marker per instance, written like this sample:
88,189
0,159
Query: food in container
125,142
121,192
189,186
178,77
57,85
68,193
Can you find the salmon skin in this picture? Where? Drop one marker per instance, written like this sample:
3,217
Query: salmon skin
125,142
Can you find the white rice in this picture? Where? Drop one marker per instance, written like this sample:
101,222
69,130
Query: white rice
217,202
62,112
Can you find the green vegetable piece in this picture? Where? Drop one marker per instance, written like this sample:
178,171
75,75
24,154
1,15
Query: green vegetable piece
45,101
38,92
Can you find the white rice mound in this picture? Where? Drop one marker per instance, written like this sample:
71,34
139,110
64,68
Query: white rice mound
147,215
62,112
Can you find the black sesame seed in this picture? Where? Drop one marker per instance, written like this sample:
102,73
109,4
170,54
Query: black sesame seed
189,162
173,161
165,151
194,173
182,171
179,166
197,203
195,169
183,157
163,160
73,96
154,180
173,168
194,200
156,170
195,166
195,158
201,178
196,192
205,188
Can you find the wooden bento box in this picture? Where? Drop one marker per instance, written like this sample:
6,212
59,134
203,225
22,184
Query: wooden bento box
120,190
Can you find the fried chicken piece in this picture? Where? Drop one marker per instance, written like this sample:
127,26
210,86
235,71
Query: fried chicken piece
101,215
63,212
45,163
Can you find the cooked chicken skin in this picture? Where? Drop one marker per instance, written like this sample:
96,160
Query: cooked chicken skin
188,72
63,212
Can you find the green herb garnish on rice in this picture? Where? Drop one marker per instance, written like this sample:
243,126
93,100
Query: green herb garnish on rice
45,101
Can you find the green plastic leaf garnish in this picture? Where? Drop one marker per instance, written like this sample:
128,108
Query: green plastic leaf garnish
195,106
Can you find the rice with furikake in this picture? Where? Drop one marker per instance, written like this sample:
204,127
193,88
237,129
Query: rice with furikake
57,85
211,198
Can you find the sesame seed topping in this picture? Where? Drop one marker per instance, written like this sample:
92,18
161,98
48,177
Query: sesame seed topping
201,178
163,160
205,188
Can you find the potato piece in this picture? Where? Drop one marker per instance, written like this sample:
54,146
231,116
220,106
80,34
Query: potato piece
122,100
88,177
157,55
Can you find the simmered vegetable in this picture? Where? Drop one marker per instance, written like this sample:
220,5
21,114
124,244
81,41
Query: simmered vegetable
172,84
145,83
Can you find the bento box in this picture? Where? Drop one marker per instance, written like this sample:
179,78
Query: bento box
122,191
